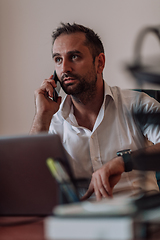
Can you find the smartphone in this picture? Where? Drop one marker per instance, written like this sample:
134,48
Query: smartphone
57,89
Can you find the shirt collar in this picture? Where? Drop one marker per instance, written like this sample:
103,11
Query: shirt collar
67,113
107,95
107,91
66,107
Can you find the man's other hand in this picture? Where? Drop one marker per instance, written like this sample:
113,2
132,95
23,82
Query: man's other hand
104,179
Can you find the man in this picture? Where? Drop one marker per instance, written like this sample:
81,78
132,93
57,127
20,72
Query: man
95,120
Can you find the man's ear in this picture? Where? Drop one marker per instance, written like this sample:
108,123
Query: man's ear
100,63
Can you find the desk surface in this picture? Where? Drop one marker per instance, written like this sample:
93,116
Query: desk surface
32,228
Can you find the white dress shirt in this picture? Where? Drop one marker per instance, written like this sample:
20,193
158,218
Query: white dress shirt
115,129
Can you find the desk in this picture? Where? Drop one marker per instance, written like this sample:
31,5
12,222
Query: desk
33,229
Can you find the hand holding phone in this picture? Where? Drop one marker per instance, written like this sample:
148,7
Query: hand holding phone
47,104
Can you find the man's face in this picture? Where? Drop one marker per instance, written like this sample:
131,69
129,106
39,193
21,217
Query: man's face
74,64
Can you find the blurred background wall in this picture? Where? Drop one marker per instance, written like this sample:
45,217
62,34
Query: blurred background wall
25,46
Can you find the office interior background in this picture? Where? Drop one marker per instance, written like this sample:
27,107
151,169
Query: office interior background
25,47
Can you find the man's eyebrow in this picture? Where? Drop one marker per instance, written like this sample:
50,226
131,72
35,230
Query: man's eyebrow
55,55
68,53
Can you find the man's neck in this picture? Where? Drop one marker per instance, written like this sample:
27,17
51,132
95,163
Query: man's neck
86,110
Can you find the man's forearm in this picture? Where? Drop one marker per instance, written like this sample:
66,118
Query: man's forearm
147,159
41,123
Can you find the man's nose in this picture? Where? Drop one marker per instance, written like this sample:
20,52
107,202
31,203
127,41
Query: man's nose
66,66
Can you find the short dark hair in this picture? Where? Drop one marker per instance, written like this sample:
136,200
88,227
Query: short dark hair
93,41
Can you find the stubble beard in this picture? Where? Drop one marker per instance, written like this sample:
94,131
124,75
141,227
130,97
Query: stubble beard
85,87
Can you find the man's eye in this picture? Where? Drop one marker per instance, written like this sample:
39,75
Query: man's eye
58,60
74,57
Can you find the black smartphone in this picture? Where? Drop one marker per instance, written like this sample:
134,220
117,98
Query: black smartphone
57,89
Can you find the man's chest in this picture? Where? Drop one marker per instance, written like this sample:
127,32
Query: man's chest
112,134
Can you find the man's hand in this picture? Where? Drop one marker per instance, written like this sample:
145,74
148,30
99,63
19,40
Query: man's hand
45,106
43,96
104,179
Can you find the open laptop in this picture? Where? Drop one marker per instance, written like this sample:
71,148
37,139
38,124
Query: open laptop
27,186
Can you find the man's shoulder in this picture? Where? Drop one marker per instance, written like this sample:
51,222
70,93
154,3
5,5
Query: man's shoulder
124,94
133,98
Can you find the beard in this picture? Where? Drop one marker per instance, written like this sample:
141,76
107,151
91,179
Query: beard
85,85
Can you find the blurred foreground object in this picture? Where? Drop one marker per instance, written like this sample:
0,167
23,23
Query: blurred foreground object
147,71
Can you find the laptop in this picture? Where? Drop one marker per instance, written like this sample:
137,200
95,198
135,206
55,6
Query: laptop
27,186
